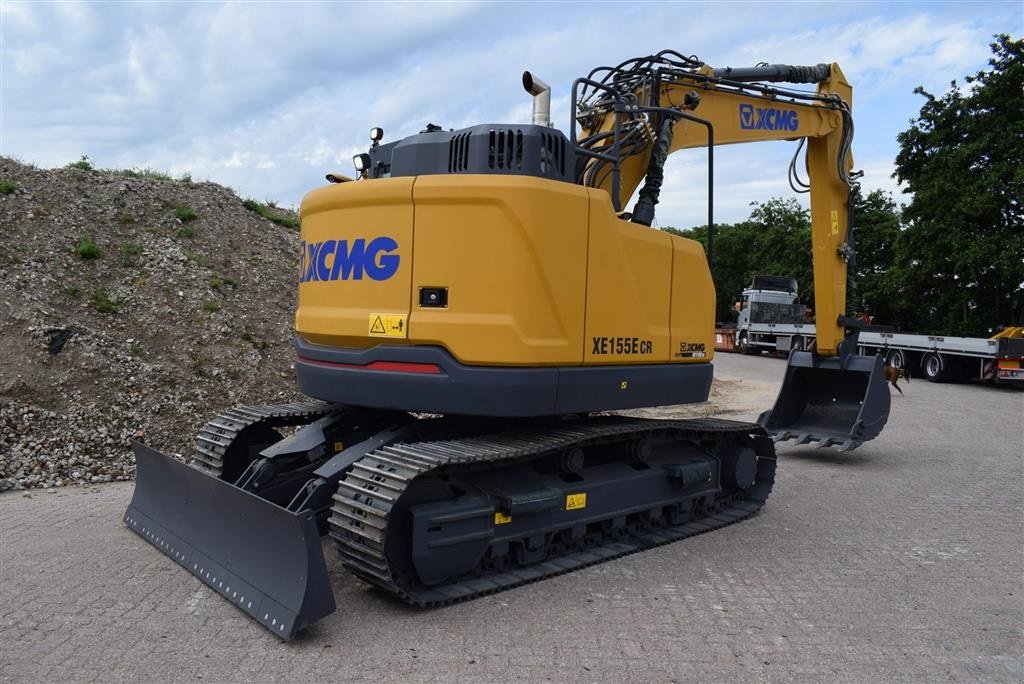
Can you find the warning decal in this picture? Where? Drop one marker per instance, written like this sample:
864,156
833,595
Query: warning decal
501,519
575,501
389,325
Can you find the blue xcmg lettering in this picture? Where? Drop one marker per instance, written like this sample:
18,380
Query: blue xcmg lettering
767,119
339,259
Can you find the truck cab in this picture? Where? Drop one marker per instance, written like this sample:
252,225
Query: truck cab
771,316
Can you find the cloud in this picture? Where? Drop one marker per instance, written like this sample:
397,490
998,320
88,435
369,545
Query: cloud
879,53
268,98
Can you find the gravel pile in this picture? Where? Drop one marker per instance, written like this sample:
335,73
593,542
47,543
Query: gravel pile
131,308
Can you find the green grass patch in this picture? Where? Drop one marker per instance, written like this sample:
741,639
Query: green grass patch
211,305
104,303
134,172
83,164
268,210
72,291
217,282
186,214
87,249
130,253
197,258
188,232
259,344
145,174
7,187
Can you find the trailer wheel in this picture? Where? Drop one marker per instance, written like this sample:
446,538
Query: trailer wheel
797,344
935,368
896,358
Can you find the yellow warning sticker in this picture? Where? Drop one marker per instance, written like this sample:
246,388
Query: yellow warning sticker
500,518
389,325
339,447
575,501
835,222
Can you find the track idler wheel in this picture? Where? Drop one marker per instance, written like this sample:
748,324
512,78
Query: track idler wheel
571,462
642,450
738,466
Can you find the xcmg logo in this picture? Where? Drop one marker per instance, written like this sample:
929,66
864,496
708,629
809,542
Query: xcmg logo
339,259
767,119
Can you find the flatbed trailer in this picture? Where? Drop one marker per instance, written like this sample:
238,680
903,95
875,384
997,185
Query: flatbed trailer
771,318
936,357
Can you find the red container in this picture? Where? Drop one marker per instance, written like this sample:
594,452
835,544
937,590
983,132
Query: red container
725,339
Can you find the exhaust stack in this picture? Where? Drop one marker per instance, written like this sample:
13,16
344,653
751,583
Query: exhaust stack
541,92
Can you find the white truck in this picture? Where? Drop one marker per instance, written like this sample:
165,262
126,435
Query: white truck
771,318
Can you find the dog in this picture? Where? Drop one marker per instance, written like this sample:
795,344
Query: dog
893,374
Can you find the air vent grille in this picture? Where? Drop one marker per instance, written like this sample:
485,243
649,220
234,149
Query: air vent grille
506,149
458,153
552,155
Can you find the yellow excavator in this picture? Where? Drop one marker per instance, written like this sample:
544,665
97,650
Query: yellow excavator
473,308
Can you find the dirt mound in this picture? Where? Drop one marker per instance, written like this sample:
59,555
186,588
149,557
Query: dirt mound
132,307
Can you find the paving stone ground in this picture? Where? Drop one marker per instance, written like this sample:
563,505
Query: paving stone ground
901,561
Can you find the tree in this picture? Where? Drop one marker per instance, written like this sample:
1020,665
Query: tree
782,243
877,238
775,240
962,159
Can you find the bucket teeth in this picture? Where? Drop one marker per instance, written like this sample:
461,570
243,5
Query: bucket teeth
841,402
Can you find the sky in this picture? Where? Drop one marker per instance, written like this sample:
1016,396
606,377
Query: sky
267,97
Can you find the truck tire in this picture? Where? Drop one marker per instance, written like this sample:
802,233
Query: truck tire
935,367
896,359
797,344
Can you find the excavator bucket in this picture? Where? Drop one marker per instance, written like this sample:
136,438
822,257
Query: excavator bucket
830,400
263,558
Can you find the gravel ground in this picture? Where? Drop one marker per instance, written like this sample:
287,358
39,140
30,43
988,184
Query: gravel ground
201,319
166,318
901,561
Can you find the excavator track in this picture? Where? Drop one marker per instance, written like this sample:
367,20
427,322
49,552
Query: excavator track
361,516
221,432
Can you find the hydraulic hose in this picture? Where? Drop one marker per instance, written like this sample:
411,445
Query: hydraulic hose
643,213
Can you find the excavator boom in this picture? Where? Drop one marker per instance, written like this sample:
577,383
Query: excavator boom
633,116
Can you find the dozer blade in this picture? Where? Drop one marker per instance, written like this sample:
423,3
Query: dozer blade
830,401
263,558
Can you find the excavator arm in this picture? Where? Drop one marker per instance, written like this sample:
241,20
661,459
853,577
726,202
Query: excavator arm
633,116
680,109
